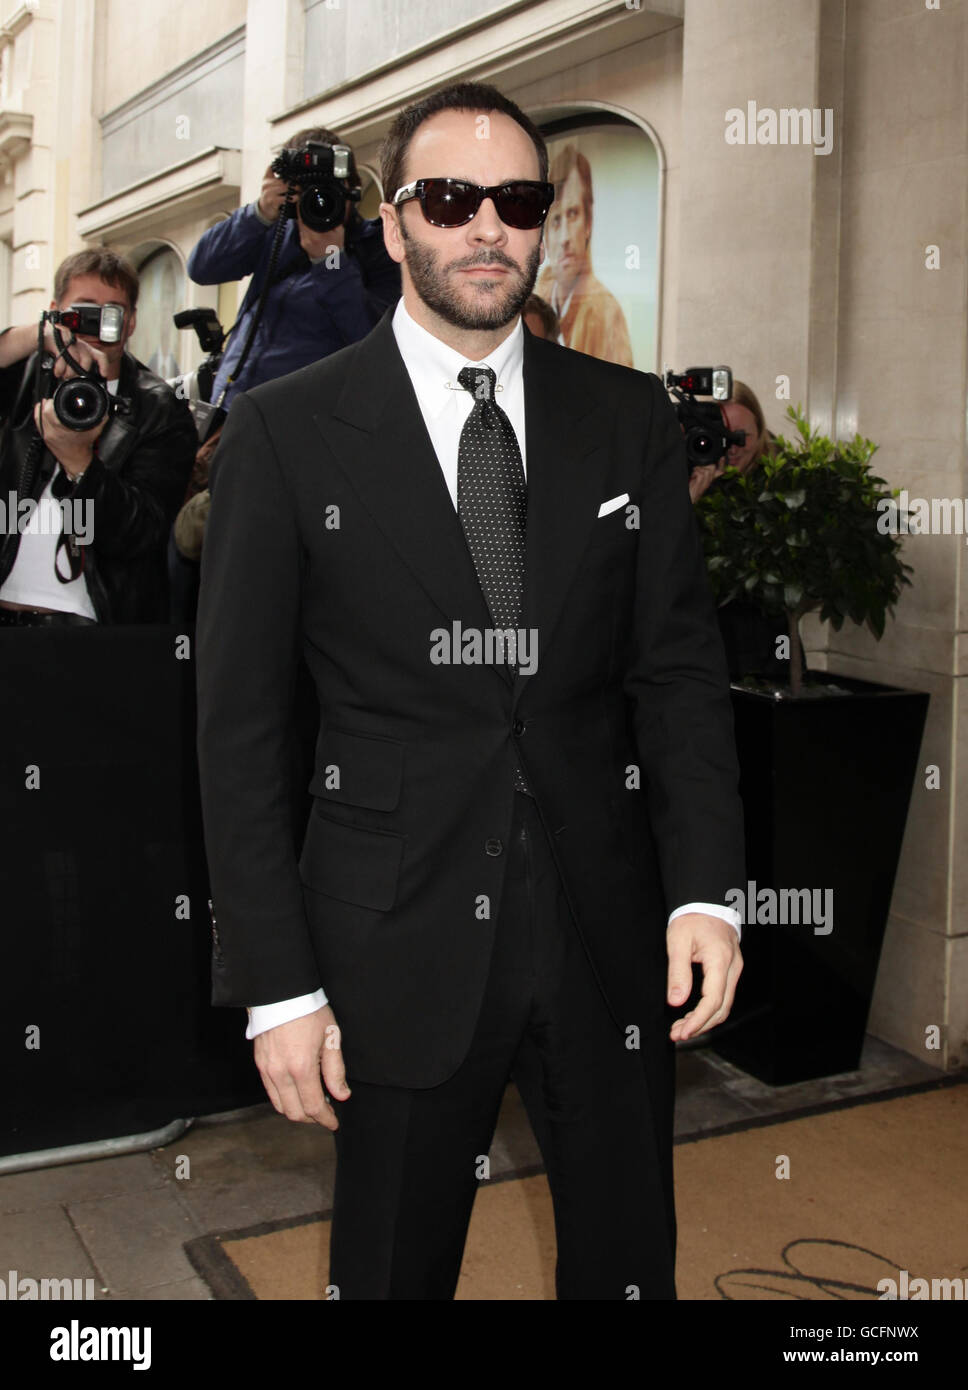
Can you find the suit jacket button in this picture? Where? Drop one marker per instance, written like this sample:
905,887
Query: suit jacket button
517,728
493,847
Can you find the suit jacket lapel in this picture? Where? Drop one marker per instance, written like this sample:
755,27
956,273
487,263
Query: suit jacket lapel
566,457
378,437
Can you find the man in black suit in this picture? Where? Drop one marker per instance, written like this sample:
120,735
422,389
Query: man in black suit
525,763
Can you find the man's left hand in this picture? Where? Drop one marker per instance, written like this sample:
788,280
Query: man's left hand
697,939
71,448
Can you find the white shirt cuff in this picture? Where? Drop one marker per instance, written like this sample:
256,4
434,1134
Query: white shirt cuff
728,914
265,1016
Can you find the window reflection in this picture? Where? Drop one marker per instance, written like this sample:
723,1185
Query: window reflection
155,341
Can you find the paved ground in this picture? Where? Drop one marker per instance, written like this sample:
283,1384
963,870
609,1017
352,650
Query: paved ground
123,1221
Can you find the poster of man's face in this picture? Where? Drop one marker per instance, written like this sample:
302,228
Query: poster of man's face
600,243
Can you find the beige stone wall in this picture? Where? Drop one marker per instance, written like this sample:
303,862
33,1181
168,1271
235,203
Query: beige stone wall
820,262
29,180
142,42
901,381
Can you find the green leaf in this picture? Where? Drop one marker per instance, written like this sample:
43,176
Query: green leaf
800,531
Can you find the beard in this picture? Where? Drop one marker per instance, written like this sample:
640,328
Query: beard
505,295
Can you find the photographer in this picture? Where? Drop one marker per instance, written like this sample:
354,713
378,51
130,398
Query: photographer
327,290
742,414
123,476
750,636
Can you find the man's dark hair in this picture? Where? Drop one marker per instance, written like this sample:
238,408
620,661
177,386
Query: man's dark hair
461,96
319,135
106,265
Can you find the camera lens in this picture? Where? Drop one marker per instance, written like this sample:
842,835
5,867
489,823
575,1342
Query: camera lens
321,206
80,405
702,447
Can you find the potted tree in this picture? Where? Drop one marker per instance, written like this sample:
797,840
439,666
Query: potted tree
827,762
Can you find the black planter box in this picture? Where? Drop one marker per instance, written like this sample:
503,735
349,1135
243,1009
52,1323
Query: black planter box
105,1019
825,784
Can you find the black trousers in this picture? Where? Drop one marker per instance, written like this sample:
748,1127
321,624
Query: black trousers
409,1161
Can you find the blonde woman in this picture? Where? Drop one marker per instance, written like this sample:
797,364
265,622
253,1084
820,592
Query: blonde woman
741,412
749,635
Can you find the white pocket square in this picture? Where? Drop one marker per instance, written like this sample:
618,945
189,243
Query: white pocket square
614,505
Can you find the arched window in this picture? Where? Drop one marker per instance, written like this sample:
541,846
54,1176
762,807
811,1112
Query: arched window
600,272
371,192
156,341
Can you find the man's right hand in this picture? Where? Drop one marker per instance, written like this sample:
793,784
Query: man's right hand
273,195
86,355
291,1058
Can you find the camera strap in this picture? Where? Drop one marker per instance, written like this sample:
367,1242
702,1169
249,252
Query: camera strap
263,293
83,372
299,262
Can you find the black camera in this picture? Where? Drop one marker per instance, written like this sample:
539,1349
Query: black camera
707,437
211,339
81,401
196,387
322,173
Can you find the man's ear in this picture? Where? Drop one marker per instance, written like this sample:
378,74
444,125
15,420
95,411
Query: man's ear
130,324
392,239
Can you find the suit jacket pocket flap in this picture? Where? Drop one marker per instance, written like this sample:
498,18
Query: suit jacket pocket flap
358,769
354,865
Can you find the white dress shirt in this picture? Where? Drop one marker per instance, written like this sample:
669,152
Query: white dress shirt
445,405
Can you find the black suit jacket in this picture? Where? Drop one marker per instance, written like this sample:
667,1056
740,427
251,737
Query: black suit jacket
391,902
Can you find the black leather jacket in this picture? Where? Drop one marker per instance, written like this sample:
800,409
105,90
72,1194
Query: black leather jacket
137,482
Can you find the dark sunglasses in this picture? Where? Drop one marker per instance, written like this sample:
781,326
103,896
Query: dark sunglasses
452,202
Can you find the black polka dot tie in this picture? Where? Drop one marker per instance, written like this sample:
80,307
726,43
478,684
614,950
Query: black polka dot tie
492,503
